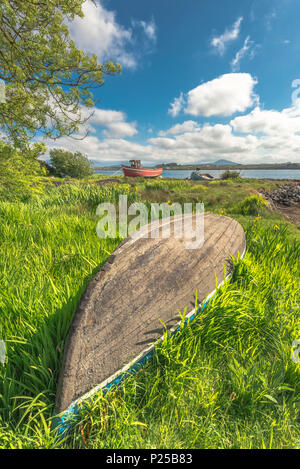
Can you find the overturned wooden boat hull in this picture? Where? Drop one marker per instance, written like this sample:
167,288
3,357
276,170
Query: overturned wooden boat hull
142,285
195,176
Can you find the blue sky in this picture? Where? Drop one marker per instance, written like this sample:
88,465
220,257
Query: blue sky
201,80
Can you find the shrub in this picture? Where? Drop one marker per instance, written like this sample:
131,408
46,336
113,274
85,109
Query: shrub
20,172
66,163
251,205
230,174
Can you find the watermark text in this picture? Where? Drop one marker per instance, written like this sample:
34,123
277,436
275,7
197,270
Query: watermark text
162,220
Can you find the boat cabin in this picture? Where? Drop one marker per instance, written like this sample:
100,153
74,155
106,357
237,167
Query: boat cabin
135,163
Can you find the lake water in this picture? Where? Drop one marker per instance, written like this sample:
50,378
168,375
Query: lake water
246,173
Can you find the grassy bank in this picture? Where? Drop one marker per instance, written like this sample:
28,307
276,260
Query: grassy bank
226,381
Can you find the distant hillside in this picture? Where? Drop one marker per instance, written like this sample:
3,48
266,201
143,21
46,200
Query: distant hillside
108,164
223,163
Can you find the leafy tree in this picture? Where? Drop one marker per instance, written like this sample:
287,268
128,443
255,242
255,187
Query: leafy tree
20,172
71,164
47,78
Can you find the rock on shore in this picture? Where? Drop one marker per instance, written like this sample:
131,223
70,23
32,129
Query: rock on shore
287,195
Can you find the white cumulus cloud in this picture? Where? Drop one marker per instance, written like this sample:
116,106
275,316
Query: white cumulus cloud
223,96
209,143
262,135
187,126
176,106
120,130
99,32
269,122
114,122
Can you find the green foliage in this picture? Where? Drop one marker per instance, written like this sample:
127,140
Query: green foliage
165,185
230,174
20,172
87,195
66,163
47,78
49,252
252,205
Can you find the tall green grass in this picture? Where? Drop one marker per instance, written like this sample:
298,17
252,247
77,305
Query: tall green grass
49,252
225,381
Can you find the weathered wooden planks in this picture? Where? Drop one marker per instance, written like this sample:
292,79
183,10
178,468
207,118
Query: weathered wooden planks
143,283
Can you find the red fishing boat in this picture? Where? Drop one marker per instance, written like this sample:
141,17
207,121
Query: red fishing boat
135,170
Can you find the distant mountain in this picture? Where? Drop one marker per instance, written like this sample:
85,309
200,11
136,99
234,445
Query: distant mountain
223,162
109,164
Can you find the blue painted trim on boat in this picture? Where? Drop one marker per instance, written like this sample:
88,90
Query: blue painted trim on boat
63,422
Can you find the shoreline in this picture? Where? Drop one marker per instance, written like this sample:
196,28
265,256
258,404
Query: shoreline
215,179
213,168
184,175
